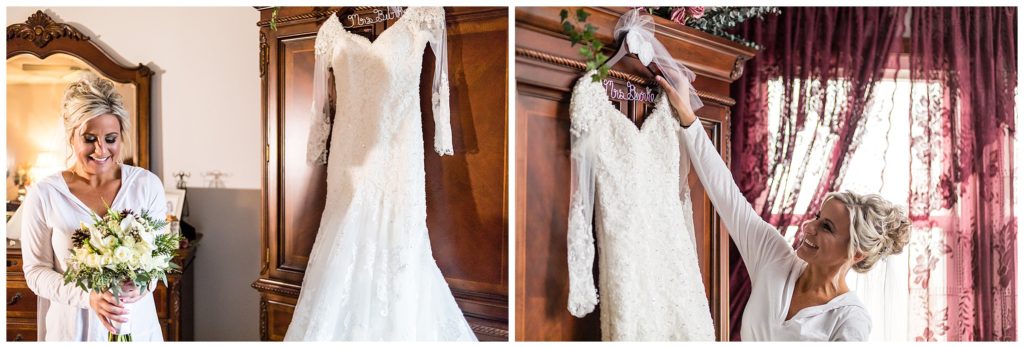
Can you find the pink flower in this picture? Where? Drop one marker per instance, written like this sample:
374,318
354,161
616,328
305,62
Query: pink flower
695,11
679,15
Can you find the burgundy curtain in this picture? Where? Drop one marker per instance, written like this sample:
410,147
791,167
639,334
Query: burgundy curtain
827,61
963,65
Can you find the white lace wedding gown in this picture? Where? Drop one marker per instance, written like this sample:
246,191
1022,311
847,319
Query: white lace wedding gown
371,275
632,183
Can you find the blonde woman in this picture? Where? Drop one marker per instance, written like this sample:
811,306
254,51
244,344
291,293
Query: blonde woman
96,126
797,295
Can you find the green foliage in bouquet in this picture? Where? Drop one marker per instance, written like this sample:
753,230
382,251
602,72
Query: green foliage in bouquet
590,47
122,246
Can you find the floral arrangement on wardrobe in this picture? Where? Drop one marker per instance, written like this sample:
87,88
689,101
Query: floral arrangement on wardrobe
121,247
713,20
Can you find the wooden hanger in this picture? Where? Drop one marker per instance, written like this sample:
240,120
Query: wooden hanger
622,52
344,12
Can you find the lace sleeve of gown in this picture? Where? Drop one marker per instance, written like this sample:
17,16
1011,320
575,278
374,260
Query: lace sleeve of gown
580,240
433,22
320,124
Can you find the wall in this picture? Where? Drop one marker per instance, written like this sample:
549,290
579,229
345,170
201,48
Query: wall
205,118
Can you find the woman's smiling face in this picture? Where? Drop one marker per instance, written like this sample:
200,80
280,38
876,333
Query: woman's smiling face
826,239
98,145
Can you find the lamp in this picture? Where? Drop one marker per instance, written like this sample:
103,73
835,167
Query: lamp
46,164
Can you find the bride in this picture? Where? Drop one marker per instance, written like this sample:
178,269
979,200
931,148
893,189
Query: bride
798,295
95,124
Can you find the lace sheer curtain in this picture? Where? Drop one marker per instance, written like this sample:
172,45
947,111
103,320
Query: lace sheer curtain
962,194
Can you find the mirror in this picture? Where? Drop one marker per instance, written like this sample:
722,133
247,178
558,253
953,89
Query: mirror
43,58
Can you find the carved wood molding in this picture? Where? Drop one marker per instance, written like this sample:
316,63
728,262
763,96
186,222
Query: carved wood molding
264,334
40,29
582,67
264,54
263,285
737,67
480,296
317,14
488,330
175,291
478,15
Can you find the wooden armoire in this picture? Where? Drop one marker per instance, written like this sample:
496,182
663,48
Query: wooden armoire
466,193
546,69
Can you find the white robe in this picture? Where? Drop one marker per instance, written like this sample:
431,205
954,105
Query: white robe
772,263
51,213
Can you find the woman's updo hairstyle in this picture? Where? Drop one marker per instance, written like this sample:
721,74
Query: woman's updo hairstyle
878,228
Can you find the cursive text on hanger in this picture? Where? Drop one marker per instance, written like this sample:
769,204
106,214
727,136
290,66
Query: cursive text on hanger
631,92
377,16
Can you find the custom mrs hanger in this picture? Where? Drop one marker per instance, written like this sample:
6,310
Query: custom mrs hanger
635,31
380,14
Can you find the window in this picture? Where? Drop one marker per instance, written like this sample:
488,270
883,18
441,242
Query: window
880,164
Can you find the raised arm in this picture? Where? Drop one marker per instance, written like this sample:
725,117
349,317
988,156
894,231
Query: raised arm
758,241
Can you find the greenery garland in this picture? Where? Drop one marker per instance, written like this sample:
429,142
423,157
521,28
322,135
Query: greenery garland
715,20
591,46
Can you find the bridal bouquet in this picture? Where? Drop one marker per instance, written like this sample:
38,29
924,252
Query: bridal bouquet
121,248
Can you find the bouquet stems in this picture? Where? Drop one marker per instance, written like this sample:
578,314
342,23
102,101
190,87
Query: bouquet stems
112,337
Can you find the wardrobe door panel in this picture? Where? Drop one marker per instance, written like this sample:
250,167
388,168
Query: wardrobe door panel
303,186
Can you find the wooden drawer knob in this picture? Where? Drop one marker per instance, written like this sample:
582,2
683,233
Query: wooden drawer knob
14,299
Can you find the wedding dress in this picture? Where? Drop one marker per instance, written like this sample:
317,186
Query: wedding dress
371,275
631,183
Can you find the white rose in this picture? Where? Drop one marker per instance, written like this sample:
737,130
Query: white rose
149,262
108,244
135,262
106,261
93,260
142,248
122,254
114,227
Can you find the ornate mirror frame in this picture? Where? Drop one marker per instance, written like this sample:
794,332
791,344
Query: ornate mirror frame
42,37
